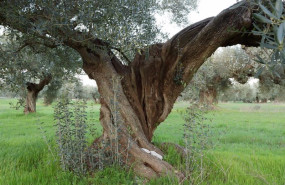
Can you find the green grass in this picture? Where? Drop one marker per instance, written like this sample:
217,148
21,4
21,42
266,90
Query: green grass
249,147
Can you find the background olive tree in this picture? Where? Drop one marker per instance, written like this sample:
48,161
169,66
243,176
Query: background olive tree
27,69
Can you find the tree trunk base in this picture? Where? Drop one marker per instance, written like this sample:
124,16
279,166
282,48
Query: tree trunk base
31,99
142,163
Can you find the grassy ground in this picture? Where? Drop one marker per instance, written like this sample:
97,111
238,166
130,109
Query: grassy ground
249,147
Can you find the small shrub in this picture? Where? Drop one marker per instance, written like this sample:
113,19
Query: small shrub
72,131
71,123
197,138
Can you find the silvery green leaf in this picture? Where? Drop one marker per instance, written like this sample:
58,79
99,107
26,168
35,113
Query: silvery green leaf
262,18
268,46
280,34
266,11
278,8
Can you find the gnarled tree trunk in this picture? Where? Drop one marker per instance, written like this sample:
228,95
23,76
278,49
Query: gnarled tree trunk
138,97
32,94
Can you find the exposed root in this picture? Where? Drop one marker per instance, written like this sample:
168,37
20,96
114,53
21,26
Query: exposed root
151,170
145,170
143,163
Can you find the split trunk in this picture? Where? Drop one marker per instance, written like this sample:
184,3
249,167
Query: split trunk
136,98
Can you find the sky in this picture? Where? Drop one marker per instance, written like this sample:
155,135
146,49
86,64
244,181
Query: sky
206,8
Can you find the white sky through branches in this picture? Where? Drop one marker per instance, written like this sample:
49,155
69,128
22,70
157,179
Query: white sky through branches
206,8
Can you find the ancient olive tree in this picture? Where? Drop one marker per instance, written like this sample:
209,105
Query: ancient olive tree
27,69
138,79
214,76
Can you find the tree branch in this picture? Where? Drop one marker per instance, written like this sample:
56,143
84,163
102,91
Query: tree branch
122,53
38,87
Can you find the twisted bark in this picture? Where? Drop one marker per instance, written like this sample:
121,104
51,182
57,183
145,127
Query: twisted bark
146,90
138,97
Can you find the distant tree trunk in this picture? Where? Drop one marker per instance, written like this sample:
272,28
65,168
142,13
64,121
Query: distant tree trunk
49,97
257,99
32,94
31,101
208,96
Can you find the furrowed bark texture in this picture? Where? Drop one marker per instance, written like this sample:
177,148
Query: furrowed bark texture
143,93
32,94
135,99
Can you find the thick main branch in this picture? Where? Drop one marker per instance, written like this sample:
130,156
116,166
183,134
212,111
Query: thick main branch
161,72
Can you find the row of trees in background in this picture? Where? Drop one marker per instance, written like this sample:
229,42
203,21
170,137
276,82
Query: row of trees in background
72,89
228,75
254,92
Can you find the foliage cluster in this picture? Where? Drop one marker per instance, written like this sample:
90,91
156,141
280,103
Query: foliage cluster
272,30
21,64
73,129
71,135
